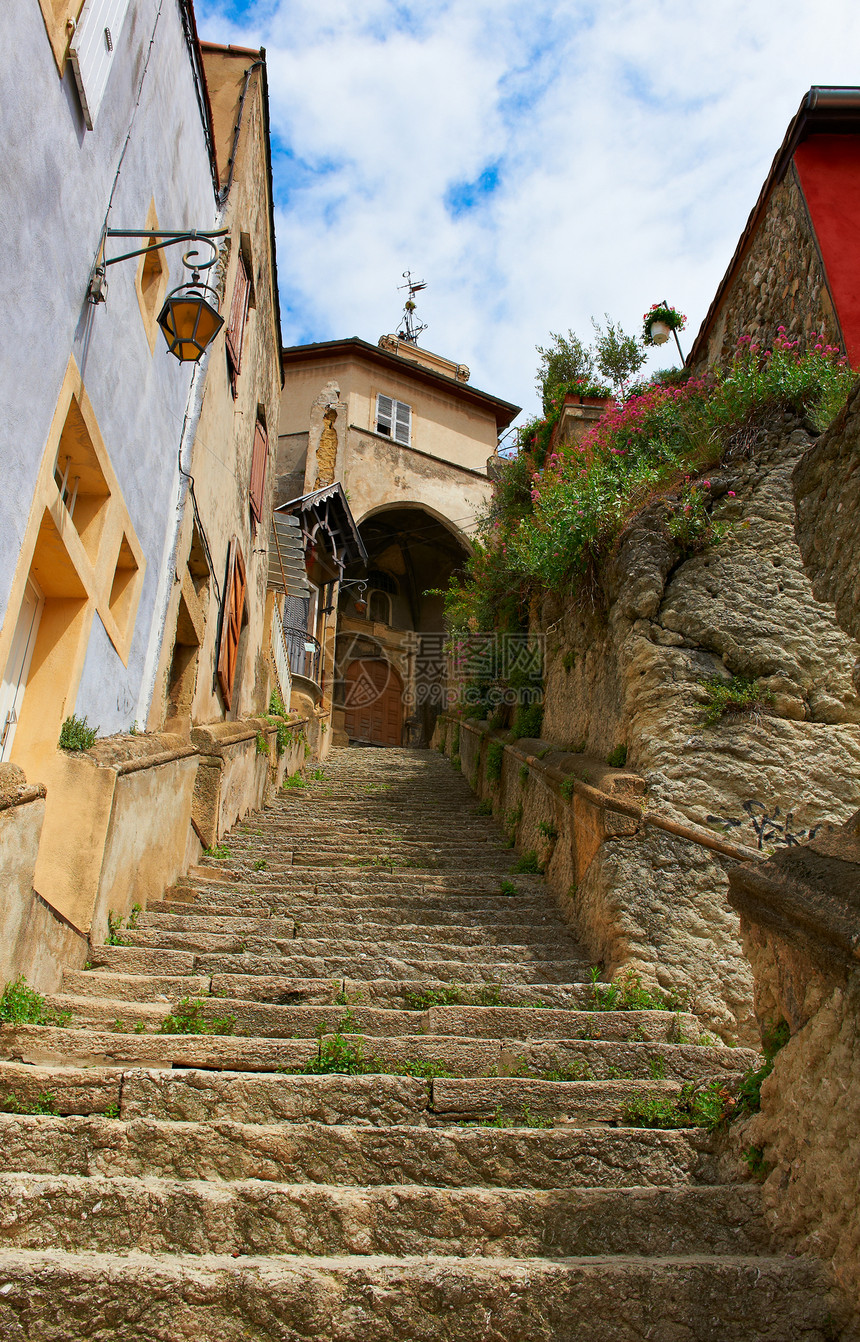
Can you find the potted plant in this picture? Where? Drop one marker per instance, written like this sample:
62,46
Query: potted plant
588,392
660,321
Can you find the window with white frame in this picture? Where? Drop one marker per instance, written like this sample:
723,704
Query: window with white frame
394,419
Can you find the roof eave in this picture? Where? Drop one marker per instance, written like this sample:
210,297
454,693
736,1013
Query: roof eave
824,110
503,411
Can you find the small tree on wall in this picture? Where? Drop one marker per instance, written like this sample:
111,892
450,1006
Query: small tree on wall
566,360
618,356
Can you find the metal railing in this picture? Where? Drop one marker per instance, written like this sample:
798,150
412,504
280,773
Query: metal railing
303,653
281,658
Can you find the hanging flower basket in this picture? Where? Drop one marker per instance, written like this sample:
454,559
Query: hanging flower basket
660,321
659,332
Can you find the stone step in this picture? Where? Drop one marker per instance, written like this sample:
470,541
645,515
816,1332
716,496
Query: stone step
361,966
523,934
320,1153
45,1045
409,994
390,914
340,880
267,926
330,903
142,960
116,1214
165,988
329,948
264,1097
215,1298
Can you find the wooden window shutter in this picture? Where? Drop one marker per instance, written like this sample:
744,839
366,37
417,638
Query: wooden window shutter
384,412
259,461
402,422
231,625
238,314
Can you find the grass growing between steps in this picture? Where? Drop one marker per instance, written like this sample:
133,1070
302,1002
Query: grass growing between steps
188,1019
629,995
489,995
44,1103
713,1105
346,1057
526,1119
22,1005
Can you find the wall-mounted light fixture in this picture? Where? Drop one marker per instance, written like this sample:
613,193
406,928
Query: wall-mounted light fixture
188,319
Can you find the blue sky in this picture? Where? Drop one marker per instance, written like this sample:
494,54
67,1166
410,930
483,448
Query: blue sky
537,163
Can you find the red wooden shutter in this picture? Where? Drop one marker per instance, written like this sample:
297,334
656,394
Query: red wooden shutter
259,462
231,626
238,313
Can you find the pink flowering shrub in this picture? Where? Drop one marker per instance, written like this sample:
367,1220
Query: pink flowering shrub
558,514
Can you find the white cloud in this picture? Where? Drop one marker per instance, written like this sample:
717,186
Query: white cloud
631,138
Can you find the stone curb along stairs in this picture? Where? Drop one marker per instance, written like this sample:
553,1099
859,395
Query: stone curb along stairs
382,1150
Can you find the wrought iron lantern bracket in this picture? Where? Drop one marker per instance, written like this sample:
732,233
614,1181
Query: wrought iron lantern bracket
156,239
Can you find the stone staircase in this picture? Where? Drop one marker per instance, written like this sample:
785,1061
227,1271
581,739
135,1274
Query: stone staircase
412,1132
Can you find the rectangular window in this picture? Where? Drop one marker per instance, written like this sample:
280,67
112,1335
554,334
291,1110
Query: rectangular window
259,461
231,626
238,317
394,419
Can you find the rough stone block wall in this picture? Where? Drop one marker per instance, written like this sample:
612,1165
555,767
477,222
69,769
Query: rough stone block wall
827,497
780,282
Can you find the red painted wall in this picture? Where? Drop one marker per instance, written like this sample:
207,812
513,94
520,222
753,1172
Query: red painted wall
829,171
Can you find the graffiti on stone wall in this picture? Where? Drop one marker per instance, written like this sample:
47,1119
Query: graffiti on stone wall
770,829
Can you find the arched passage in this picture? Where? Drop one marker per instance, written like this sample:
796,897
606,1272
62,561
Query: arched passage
398,619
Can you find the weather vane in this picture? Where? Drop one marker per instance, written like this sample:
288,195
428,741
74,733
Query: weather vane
412,328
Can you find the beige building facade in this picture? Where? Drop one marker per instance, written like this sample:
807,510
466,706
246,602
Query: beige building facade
411,442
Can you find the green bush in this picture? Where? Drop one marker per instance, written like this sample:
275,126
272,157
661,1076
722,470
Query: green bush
566,788
617,758
528,721
262,743
733,696
485,807
77,734
495,756
188,1019
22,1005
293,780
528,864
276,704
627,994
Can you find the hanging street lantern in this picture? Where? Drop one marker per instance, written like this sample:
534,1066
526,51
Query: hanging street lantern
189,321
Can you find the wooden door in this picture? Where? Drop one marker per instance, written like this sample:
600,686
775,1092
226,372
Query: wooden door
373,703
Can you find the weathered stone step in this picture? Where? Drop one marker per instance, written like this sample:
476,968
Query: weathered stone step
394,913
523,934
693,1298
142,960
261,1097
320,1153
107,1048
332,903
402,994
119,1214
360,966
349,946
164,988
270,925
341,880
539,934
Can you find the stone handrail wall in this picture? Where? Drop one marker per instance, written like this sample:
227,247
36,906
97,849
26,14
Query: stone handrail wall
601,868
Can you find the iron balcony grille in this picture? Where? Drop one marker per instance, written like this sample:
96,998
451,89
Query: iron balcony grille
303,652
